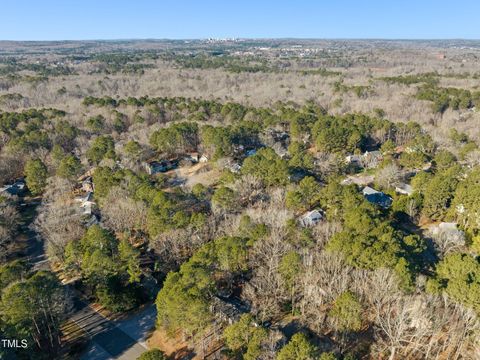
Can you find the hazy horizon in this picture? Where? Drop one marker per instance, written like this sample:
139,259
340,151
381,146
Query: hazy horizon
245,38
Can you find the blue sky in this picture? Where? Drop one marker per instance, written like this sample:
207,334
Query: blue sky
128,19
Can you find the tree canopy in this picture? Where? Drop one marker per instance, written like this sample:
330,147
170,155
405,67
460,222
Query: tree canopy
298,348
36,175
33,309
267,166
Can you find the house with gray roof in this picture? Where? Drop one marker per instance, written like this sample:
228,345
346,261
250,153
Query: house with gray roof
16,188
377,197
311,218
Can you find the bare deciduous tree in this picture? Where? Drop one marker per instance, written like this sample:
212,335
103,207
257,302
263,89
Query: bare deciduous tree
425,327
266,290
447,241
59,218
121,212
388,176
249,189
9,218
326,276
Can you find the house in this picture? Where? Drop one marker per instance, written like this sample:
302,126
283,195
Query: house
87,199
354,160
227,309
87,184
450,231
372,159
203,158
311,218
238,149
155,167
235,168
86,203
19,185
277,140
193,157
87,174
242,151
369,159
282,136
87,209
272,136
377,197
404,189
92,220
17,188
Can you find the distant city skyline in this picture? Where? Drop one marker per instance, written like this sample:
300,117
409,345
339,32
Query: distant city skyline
148,19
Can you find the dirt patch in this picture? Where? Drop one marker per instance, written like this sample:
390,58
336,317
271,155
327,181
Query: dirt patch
201,173
425,223
174,347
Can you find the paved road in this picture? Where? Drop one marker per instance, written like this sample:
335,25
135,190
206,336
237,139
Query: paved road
122,339
35,251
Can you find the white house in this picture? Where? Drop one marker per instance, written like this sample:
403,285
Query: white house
311,218
369,159
87,209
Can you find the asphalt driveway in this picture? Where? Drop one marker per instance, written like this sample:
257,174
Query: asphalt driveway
121,339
